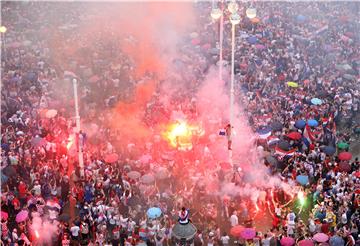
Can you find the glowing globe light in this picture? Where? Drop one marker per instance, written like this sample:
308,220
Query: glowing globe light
233,7
3,29
235,19
216,13
251,13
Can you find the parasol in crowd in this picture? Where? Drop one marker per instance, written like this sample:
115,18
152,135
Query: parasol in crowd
9,171
306,242
22,216
236,231
133,175
252,40
225,165
320,237
294,135
329,150
343,145
302,179
162,173
276,126
284,145
111,158
64,217
145,159
153,213
344,166
336,241
51,113
300,124
345,156
38,142
4,215
300,18
287,241
292,84
316,101
248,233
147,179
312,123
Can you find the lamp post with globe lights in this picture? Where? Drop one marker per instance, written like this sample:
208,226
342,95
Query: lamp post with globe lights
235,19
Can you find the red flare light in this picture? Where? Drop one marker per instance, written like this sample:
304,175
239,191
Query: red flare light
180,135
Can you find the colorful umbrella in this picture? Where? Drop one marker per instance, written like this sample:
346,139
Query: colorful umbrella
357,174
300,18
22,216
51,113
342,145
316,101
134,175
336,241
320,237
225,165
248,233
345,156
252,40
294,135
287,241
4,215
329,150
344,166
300,124
292,84
94,79
111,158
145,159
259,46
306,242
195,41
255,20
313,123
302,179
147,179
236,231
153,213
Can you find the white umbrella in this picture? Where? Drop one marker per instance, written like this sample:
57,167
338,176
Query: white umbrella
51,113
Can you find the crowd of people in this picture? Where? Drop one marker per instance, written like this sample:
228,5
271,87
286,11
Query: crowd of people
290,55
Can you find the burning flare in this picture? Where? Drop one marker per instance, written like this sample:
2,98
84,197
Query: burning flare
181,135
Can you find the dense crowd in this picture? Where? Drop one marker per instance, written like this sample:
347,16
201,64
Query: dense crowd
290,55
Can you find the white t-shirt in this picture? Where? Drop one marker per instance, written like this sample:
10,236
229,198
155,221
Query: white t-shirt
225,240
234,220
75,231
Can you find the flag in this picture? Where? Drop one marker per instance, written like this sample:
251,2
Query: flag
222,132
308,137
283,153
272,140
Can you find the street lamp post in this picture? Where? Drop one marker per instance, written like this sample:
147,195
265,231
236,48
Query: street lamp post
217,13
78,129
3,30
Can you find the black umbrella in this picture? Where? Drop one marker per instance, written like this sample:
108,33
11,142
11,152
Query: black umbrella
284,145
271,160
276,126
329,150
38,142
9,171
64,217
